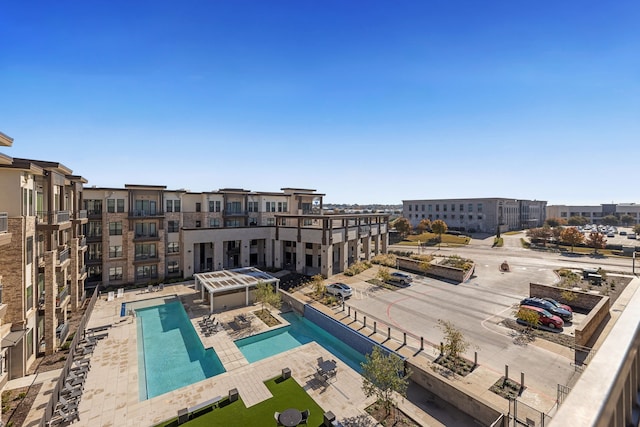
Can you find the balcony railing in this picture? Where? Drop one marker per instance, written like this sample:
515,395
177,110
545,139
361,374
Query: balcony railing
82,270
62,332
144,213
82,242
53,218
4,222
63,256
81,214
234,212
140,257
62,294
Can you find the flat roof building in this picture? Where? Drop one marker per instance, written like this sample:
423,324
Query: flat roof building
478,214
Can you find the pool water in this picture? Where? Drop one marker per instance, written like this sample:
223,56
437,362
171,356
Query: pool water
300,331
170,353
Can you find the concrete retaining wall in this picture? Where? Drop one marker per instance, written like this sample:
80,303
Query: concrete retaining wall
484,412
440,271
293,302
598,307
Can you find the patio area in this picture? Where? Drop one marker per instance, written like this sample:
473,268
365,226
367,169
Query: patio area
111,393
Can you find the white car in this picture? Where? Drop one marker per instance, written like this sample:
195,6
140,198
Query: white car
401,278
340,289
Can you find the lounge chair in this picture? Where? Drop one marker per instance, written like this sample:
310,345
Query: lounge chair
111,296
120,293
67,405
305,416
67,416
150,288
277,417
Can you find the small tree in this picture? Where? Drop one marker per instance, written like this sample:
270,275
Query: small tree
555,222
439,227
627,219
382,375
610,220
540,234
572,236
403,226
423,225
265,294
317,282
383,274
528,317
636,228
576,221
556,232
567,297
455,343
596,240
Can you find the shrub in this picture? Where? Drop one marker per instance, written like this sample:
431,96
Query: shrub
357,268
388,260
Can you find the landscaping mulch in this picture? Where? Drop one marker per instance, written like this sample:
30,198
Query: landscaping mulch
460,366
507,388
395,418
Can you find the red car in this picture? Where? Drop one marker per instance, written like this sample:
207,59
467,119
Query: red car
545,318
557,304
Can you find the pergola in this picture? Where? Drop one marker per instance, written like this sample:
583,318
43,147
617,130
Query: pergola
220,281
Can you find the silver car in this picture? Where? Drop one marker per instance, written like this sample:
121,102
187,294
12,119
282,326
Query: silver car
340,289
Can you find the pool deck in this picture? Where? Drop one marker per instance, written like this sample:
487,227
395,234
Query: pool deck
111,395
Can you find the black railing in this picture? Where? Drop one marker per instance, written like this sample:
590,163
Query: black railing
234,212
53,218
81,214
62,294
63,256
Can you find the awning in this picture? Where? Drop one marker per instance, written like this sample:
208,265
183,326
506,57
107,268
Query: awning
13,338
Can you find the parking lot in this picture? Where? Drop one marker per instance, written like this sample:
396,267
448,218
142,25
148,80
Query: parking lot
477,308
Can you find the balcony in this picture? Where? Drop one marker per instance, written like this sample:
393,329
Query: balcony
62,332
54,219
63,296
63,257
146,237
3,306
80,217
145,214
94,213
5,236
234,212
82,272
146,258
82,243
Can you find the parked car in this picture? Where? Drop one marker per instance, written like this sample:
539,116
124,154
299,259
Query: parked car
401,278
631,236
545,318
340,289
623,233
557,304
611,234
558,311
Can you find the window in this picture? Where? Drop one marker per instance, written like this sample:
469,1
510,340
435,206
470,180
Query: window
30,343
307,222
29,259
271,221
173,267
115,273
437,216
461,216
479,207
198,224
212,205
453,207
115,228
270,207
173,226
94,251
120,205
176,205
115,251
429,208
461,207
218,206
29,297
214,222
437,208
145,250
145,207
93,207
470,217
444,216
470,207
232,223
146,229
409,208
146,271
253,206
422,208
234,207
444,208
282,206
173,247
198,207
94,229
94,272
111,205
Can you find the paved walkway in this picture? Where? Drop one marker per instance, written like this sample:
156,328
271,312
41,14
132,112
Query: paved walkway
112,397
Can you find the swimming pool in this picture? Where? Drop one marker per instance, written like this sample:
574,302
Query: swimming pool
170,353
300,331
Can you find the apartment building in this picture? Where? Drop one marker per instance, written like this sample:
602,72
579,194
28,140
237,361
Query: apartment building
595,213
140,234
483,215
43,264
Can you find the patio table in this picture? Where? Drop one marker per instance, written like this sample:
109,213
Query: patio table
290,418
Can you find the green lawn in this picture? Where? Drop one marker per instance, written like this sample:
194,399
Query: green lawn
286,394
431,239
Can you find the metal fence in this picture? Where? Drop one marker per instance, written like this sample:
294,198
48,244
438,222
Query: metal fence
521,414
55,394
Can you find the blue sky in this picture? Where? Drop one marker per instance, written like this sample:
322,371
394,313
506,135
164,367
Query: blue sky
365,101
